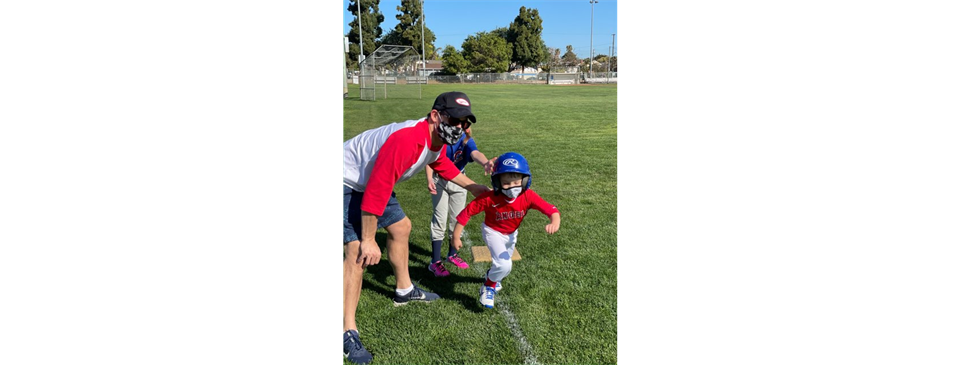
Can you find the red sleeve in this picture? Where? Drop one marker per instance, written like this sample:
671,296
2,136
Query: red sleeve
539,204
475,207
445,167
395,156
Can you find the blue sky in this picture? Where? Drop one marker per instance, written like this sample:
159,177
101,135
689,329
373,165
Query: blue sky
565,22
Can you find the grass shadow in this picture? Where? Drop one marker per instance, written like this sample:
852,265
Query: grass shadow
445,286
418,260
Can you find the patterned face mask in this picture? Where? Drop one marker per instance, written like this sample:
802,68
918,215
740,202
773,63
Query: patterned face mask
448,133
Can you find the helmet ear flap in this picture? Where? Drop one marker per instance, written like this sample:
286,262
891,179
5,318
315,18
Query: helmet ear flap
495,180
525,182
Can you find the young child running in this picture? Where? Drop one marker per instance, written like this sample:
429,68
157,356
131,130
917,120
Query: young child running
504,208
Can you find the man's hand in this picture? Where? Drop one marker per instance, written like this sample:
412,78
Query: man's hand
477,189
369,253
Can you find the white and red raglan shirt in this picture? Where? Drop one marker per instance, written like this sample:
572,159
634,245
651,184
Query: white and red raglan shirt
503,215
376,160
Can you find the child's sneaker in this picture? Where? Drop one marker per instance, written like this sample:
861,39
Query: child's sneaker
438,270
486,296
498,287
456,260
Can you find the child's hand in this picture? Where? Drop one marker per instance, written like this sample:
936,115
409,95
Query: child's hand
457,244
553,227
431,186
490,166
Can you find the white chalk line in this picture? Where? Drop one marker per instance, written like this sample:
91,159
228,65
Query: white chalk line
525,349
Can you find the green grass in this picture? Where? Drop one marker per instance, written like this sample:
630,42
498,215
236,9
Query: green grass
563,293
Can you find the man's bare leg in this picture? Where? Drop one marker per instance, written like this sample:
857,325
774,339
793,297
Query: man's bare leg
352,280
398,252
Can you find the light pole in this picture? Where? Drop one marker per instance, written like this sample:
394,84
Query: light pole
591,35
609,52
423,48
423,42
360,24
612,45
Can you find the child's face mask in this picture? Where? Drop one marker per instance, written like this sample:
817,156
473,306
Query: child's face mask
513,192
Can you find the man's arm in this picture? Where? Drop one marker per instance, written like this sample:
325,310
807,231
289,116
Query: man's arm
466,183
369,251
395,156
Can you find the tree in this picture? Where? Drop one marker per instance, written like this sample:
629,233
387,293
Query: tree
570,58
584,65
407,32
453,62
502,32
525,36
392,37
486,52
371,17
602,62
553,59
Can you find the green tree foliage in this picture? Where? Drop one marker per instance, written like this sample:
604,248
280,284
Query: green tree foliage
453,62
371,17
502,32
599,64
584,65
392,37
407,32
525,36
570,58
604,61
486,52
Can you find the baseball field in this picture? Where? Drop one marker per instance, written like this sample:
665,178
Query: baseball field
559,304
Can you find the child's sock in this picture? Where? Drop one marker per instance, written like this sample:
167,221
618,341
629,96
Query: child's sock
492,284
453,251
436,250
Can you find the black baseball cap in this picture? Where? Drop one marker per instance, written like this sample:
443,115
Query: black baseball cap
456,104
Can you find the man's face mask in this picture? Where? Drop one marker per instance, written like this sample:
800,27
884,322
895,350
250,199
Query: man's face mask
513,192
451,133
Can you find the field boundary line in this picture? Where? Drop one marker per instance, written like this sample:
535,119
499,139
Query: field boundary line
525,349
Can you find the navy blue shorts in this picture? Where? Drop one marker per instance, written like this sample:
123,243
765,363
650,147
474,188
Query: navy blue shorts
351,214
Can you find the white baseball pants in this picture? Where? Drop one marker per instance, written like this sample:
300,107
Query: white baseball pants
501,250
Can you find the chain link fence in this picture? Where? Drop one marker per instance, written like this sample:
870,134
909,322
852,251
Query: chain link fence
508,78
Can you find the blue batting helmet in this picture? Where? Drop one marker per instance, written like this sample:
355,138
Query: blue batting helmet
511,162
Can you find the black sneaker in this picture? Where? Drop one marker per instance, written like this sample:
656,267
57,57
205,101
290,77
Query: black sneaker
415,295
353,350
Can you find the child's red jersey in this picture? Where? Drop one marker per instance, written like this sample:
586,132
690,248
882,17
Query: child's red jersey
503,216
